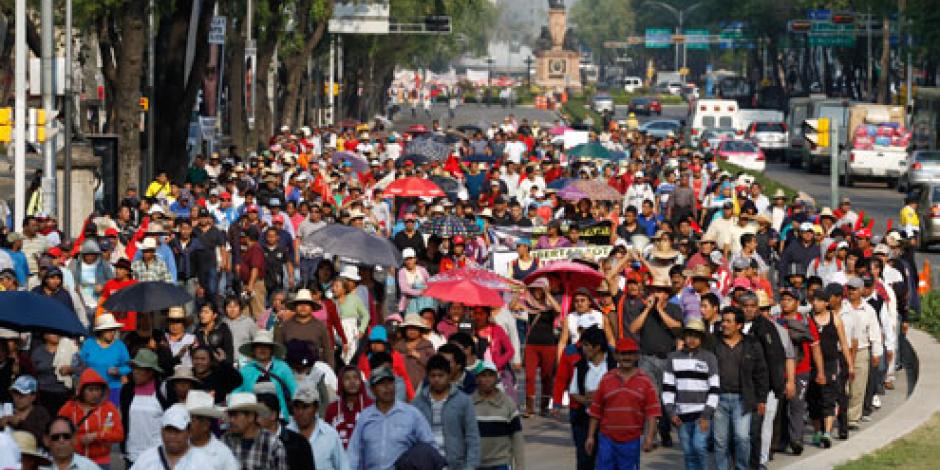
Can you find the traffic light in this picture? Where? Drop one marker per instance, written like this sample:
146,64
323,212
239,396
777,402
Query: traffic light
6,124
816,131
437,24
843,18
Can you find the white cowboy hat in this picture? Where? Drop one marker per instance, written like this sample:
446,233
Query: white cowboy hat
149,243
262,338
106,321
303,296
200,403
182,372
414,320
350,272
245,401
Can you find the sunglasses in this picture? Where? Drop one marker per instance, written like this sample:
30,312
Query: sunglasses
61,436
301,405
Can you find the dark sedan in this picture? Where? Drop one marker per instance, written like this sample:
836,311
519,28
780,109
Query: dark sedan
646,106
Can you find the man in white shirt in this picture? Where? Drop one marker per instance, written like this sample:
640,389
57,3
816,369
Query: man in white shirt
862,330
60,440
328,452
175,451
203,416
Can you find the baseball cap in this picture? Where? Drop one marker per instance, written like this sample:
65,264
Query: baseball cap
833,289
741,283
587,321
716,257
856,283
489,366
204,212
626,345
806,227
176,417
881,249
8,272
820,294
863,233
740,263
790,292
380,374
25,385
307,394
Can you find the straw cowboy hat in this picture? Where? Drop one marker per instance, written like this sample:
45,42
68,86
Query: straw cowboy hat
662,282
414,320
106,321
701,271
182,372
245,401
695,325
200,403
262,338
303,297
26,442
149,243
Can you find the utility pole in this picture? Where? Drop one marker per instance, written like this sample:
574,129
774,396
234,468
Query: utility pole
47,47
152,102
19,118
870,71
339,75
834,164
67,173
332,83
680,19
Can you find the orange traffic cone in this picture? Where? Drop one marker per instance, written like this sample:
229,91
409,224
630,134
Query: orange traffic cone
923,281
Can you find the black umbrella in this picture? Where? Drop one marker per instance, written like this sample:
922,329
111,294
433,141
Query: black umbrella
151,296
356,244
28,311
469,129
416,160
450,186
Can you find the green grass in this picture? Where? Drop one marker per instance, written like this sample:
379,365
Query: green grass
576,109
770,186
918,450
929,318
621,97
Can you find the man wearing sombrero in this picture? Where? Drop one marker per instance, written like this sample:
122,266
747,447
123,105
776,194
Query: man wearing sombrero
267,365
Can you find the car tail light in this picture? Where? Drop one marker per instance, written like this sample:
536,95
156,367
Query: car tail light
852,157
935,211
739,132
730,109
760,156
702,108
694,131
785,128
917,166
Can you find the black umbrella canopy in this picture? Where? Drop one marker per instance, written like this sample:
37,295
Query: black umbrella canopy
416,160
28,311
357,244
450,186
151,296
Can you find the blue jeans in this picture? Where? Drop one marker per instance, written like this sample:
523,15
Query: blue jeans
495,467
613,455
731,419
694,445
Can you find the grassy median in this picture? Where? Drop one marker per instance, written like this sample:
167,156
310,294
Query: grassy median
918,450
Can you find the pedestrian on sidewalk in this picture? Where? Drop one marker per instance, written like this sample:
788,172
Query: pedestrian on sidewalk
625,402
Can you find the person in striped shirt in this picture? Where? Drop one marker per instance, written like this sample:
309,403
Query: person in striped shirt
690,393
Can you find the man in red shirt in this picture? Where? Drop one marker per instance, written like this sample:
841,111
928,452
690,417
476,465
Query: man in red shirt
625,402
122,279
251,271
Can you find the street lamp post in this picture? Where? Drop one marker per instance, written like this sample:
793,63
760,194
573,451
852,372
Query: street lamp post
680,18
489,80
528,71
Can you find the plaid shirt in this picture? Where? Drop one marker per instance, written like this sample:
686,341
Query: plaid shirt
155,271
265,452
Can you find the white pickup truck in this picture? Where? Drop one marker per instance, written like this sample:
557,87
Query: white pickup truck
874,157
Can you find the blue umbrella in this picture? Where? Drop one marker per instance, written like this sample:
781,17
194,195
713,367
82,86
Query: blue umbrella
480,158
560,183
29,311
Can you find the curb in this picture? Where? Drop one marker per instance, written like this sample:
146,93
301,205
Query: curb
915,411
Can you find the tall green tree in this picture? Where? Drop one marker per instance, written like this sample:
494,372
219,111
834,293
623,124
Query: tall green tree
598,21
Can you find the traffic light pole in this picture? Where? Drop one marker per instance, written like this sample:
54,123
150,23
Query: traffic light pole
48,103
834,165
67,170
19,117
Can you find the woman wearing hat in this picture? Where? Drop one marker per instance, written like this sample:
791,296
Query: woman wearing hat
525,263
414,347
177,338
267,365
51,286
90,273
107,354
584,310
540,340
412,280
352,312
142,403
178,385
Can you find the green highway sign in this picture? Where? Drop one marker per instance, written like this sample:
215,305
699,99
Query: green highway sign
696,38
826,34
658,38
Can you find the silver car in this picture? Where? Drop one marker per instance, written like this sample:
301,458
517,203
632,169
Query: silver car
929,213
603,102
923,167
661,128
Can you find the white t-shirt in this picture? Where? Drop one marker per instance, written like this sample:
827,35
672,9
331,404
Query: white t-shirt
221,455
195,459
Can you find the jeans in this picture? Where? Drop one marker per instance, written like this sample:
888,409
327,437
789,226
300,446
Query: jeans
694,445
579,431
732,420
613,455
308,269
495,467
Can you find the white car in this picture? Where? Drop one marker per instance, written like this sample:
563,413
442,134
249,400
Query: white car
632,84
675,88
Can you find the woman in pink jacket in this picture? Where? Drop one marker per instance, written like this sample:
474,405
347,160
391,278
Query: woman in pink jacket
412,280
493,345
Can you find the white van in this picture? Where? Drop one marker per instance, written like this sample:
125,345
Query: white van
712,114
632,84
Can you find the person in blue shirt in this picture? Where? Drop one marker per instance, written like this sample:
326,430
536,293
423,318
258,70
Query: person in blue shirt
107,355
387,429
15,251
648,219
181,208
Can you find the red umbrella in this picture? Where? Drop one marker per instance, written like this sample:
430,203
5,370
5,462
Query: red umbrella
417,128
414,187
573,276
480,276
466,292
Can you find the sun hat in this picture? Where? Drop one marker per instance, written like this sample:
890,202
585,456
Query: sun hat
176,313
90,247
587,321
701,271
350,272
182,372
200,403
149,243
245,401
695,325
26,442
123,263
414,320
856,283
177,417
146,359
303,296
106,321
806,227
661,282
262,338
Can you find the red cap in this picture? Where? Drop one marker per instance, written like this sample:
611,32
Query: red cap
742,283
626,345
458,240
225,195
863,233
55,251
251,208
832,246
111,232
279,218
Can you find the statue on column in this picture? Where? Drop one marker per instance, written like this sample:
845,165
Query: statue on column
556,3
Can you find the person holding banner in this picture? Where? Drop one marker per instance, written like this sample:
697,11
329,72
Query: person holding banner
525,263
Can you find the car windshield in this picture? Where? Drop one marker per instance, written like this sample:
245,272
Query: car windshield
725,121
769,127
928,156
738,146
663,125
640,101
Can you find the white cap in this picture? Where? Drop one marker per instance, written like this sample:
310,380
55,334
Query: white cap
408,253
176,416
638,174
806,227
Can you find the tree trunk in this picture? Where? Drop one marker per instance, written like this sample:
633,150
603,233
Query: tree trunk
235,72
883,77
124,76
175,96
263,118
295,64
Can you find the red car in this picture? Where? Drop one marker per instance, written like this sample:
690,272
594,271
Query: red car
645,106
